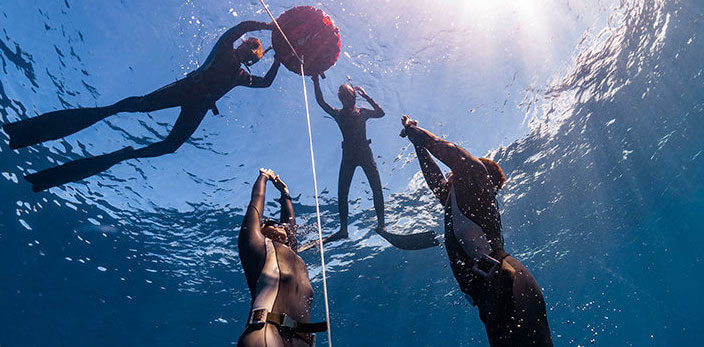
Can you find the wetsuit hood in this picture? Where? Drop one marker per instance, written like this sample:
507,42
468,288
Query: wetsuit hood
347,96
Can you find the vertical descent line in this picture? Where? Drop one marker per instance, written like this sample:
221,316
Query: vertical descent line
315,177
317,208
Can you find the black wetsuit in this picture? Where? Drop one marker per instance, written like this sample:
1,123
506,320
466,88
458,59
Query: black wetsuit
195,94
510,302
356,151
274,269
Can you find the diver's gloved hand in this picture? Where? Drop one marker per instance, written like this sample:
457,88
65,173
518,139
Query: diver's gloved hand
406,121
316,78
268,173
361,92
280,185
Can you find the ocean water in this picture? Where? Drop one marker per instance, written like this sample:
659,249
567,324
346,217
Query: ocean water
594,109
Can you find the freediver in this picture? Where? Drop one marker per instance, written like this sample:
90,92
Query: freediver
195,94
356,151
277,277
509,299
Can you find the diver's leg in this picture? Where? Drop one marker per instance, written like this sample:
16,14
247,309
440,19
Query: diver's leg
57,124
171,95
53,125
80,169
186,124
512,308
372,173
409,241
528,314
76,170
343,190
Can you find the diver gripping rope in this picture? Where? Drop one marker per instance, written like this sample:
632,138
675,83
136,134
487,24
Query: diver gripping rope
315,178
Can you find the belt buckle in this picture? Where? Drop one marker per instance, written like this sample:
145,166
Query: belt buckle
288,322
258,317
485,266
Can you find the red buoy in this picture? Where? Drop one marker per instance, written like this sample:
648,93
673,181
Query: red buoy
314,37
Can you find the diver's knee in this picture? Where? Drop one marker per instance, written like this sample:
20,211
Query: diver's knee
161,148
130,104
170,148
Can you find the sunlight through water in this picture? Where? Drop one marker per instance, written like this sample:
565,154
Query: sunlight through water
594,110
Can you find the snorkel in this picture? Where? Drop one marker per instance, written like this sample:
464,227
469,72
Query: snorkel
349,81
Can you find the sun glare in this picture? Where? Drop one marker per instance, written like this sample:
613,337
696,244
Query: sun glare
526,27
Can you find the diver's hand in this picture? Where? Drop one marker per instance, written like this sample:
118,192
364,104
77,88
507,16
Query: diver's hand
268,173
406,121
361,92
280,185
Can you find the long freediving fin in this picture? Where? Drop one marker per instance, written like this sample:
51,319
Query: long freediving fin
52,125
75,170
410,242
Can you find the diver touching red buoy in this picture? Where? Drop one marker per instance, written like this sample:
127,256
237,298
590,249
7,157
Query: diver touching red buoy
313,36
195,95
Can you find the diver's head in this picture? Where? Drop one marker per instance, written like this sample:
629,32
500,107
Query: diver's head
495,174
250,51
347,95
280,232
274,231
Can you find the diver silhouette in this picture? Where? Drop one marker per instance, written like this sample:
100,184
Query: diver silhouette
356,151
276,275
509,299
195,94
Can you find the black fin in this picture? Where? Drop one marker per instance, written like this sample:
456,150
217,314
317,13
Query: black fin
52,125
75,170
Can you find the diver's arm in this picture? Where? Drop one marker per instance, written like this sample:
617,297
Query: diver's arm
319,98
377,112
433,176
228,38
268,79
450,154
252,249
287,215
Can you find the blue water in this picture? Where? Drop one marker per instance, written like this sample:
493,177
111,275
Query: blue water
594,109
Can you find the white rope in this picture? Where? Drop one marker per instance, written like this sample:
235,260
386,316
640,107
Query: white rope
266,8
315,177
317,210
